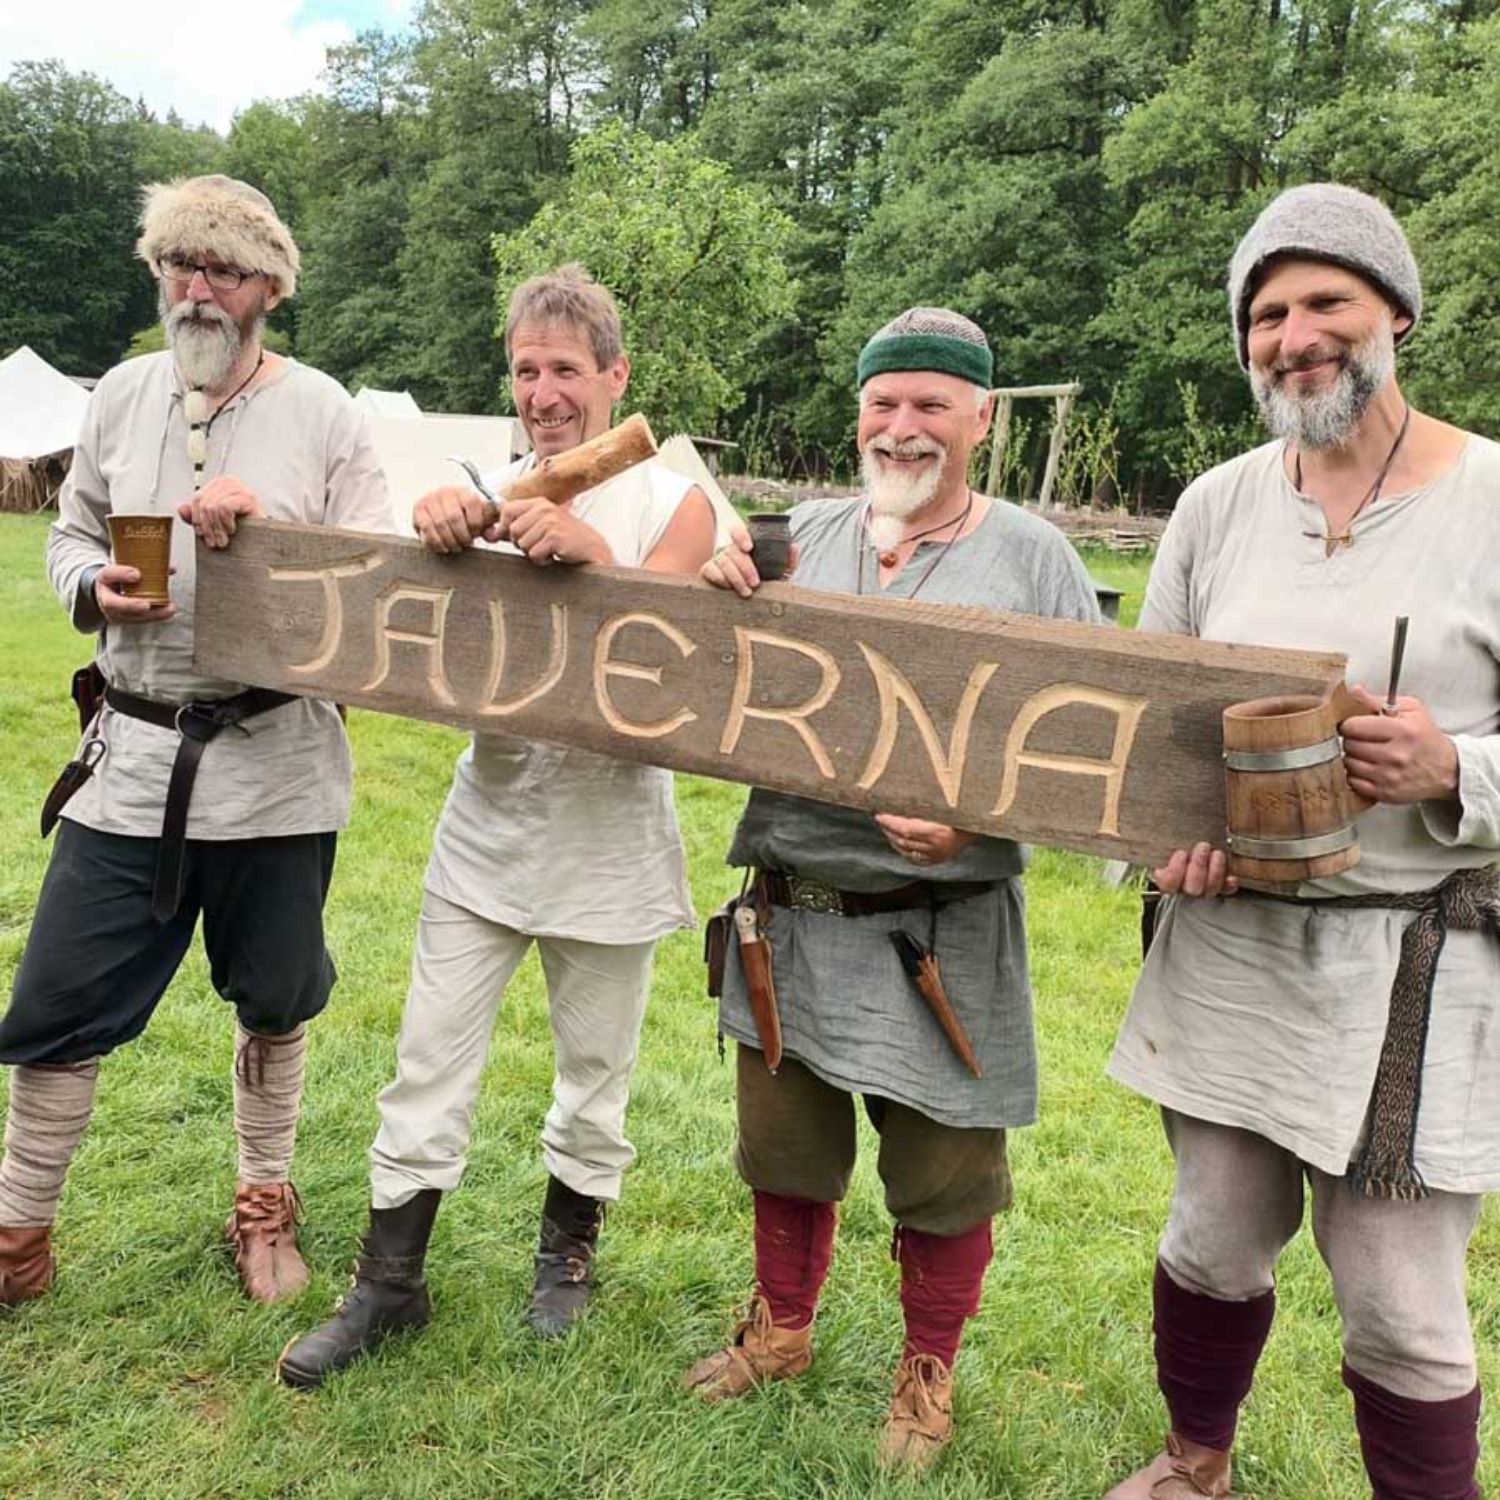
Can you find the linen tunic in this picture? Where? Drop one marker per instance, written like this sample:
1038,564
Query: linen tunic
301,446
848,1010
1269,1016
555,841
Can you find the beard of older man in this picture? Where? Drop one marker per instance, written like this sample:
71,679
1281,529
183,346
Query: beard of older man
206,342
895,497
1325,418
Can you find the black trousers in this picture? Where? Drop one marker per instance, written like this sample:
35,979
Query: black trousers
96,962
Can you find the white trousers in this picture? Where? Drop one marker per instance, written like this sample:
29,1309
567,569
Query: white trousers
596,996
1398,1268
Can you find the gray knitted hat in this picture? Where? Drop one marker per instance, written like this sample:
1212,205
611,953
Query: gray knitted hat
929,338
1325,221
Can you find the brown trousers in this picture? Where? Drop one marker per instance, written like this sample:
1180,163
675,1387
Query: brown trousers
797,1139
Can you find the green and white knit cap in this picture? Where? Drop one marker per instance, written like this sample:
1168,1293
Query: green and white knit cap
929,338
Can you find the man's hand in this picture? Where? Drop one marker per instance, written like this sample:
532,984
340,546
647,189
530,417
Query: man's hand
453,518
1199,871
548,533
215,510
1400,757
731,568
120,609
921,842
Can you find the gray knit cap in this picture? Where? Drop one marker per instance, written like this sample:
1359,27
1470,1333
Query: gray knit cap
929,338
1325,221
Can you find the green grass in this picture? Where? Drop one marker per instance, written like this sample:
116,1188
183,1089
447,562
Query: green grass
145,1374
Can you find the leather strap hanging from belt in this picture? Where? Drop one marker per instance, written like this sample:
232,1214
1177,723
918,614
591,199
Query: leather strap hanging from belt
195,724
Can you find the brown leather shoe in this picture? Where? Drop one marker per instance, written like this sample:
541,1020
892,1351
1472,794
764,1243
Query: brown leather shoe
920,1419
26,1263
263,1231
757,1351
1185,1471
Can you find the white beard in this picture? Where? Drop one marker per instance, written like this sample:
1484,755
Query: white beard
205,341
1327,418
895,497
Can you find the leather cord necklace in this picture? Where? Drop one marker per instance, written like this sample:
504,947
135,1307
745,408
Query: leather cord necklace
859,545
200,423
1333,540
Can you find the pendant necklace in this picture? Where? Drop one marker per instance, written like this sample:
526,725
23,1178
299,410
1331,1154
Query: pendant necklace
859,543
1331,539
200,423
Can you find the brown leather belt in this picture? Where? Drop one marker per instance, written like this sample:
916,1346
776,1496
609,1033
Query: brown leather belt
195,725
781,888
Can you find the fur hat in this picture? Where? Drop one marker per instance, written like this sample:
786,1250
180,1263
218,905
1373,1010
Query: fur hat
1325,221
217,216
929,338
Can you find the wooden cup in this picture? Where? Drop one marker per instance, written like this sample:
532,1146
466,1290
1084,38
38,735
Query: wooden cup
1290,807
144,543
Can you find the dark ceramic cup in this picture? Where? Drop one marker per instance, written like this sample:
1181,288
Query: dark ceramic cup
771,544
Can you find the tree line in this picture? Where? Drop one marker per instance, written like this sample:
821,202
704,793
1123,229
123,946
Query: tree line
764,185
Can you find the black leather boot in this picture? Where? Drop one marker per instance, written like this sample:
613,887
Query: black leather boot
389,1295
564,1259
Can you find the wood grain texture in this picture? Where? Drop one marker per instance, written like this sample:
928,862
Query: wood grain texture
1087,737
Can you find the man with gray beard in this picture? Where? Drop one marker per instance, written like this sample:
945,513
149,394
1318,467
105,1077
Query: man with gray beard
1340,1044
836,891
191,795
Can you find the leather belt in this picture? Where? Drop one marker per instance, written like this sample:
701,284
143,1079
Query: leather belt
195,724
781,888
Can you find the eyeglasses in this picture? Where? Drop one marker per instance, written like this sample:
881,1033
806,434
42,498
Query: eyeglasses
220,278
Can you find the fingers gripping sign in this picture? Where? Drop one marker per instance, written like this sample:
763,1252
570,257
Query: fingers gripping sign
216,509
453,518
1199,871
920,841
548,532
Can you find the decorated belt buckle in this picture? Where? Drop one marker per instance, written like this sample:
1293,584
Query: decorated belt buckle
813,895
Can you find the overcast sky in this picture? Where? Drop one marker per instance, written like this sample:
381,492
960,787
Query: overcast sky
203,60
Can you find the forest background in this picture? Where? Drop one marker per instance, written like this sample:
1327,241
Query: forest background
764,185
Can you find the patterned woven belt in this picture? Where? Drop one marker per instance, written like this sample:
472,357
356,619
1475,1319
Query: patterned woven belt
781,888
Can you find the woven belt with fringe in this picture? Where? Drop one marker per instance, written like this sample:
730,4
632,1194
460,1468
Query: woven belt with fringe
1467,901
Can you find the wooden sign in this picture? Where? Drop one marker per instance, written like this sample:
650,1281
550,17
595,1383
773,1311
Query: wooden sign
1088,737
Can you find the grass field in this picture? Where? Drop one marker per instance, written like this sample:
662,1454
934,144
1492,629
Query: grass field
145,1375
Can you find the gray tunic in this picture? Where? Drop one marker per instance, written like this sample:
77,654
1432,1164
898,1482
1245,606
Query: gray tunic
848,1011
1270,1016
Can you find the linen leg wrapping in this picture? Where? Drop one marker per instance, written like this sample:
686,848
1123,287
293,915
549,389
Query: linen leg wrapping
793,1249
267,1101
49,1111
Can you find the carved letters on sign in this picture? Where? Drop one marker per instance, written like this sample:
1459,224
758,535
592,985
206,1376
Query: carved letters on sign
1083,736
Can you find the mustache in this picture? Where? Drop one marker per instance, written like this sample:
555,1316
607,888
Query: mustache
199,313
908,448
1308,358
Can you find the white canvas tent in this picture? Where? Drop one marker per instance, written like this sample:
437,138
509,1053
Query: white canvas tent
377,404
41,411
413,445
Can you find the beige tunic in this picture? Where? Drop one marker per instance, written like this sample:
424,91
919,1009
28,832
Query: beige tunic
1270,1016
301,446
559,842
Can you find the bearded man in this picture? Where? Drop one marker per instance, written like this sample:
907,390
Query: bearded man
177,818
830,886
1340,1045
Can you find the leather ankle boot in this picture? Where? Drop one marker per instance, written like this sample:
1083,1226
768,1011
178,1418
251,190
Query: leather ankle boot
920,1419
757,1351
564,1274
26,1264
1183,1471
388,1295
